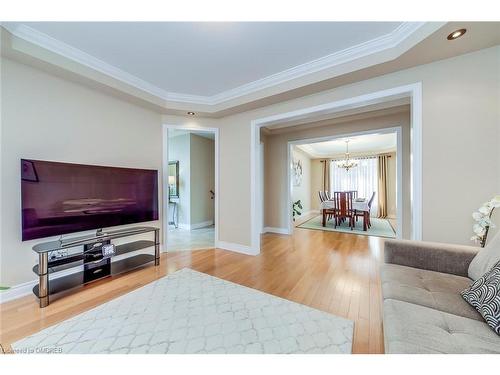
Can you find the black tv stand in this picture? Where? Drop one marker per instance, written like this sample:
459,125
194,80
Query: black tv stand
95,266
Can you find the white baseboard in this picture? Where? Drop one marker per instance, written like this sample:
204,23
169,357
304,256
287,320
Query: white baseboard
307,213
25,289
17,291
276,230
285,230
302,218
236,247
203,224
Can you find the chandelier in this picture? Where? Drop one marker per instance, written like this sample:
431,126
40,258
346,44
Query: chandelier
347,164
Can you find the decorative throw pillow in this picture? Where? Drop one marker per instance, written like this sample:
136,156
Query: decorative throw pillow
485,259
484,295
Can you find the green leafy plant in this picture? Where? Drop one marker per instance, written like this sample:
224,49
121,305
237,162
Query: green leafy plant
296,207
4,288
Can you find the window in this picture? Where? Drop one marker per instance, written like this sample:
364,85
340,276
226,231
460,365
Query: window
362,178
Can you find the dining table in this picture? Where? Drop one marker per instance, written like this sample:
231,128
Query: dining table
358,205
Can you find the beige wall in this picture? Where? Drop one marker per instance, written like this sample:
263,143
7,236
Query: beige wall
202,179
44,117
316,182
302,192
275,184
460,112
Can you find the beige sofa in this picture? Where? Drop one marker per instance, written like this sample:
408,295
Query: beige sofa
423,309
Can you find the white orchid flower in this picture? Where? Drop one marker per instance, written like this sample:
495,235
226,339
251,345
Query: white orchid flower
477,216
485,224
483,220
495,202
478,229
475,238
485,210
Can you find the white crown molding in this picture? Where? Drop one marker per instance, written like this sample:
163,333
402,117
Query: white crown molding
383,43
370,47
60,48
314,155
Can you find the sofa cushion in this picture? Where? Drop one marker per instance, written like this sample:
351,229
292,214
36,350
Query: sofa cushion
484,295
436,290
410,328
485,259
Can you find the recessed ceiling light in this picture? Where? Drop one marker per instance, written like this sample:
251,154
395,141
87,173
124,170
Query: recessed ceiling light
456,34
191,113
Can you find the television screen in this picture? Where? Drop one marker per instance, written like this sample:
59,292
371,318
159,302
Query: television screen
59,198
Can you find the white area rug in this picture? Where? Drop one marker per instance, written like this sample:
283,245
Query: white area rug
191,312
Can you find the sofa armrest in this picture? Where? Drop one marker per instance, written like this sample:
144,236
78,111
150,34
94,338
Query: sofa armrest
439,257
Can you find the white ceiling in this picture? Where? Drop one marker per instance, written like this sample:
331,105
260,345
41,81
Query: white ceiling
363,144
208,58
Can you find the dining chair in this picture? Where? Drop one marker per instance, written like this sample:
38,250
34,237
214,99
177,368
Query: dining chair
329,212
370,208
349,199
322,196
363,214
343,208
354,193
351,196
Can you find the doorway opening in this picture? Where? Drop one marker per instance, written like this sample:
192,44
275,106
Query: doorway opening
410,94
349,183
190,176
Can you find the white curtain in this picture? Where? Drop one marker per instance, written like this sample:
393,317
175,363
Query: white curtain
362,178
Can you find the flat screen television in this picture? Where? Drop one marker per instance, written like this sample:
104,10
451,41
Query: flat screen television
61,198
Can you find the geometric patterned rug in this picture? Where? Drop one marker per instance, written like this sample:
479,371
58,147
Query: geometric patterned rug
192,312
379,227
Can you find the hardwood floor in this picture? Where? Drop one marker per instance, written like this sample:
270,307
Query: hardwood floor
330,271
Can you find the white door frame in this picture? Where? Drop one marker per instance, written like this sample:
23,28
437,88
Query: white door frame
399,170
412,91
165,208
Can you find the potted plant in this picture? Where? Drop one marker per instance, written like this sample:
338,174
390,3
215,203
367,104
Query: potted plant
296,206
482,218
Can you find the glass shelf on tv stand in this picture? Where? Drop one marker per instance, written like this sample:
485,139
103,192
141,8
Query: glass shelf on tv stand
45,266
89,239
